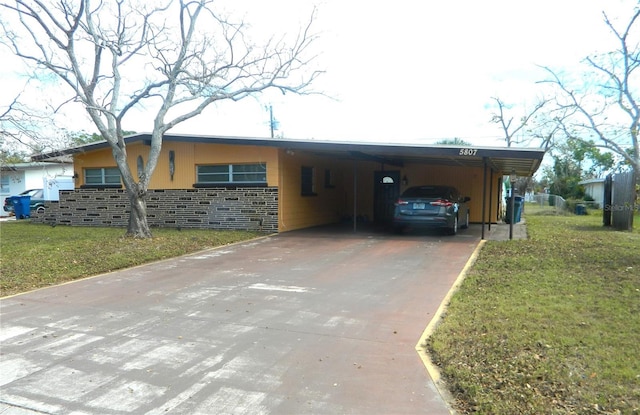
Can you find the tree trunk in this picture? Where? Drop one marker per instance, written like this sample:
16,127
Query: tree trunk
138,225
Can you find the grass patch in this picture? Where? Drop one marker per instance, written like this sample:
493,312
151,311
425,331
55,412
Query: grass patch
548,325
35,256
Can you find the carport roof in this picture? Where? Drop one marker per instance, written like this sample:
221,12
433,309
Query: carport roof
503,160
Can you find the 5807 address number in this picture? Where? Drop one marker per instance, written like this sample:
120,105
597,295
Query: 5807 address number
468,151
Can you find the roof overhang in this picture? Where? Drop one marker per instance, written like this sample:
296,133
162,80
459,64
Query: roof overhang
502,160
52,161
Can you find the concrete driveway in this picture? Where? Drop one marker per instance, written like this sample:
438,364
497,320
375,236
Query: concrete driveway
309,322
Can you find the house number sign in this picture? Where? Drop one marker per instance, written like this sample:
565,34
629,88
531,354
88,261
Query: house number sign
468,152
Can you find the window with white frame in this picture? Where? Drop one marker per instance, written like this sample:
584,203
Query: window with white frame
5,187
103,176
232,174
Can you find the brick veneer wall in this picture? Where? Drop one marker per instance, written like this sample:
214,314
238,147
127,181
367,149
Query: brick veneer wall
239,208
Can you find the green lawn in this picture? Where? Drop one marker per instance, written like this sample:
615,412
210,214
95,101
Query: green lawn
548,325
34,256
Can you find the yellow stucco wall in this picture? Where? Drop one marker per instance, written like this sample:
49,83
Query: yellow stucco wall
187,156
326,206
363,188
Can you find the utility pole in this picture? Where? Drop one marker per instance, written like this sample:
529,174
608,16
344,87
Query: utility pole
273,123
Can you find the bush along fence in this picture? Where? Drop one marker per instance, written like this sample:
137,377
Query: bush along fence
620,196
228,208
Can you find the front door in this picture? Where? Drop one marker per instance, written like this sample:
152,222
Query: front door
386,191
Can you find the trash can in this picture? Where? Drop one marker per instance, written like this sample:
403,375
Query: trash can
519,202
581,209
21,206
517,205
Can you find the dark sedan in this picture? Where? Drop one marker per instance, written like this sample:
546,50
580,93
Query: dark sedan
433,207
36,203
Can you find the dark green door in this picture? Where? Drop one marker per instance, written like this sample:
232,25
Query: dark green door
386,192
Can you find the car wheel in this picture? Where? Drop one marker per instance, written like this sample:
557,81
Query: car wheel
466,221
454,229
40,209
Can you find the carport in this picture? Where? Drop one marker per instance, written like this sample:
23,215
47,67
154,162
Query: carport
398,164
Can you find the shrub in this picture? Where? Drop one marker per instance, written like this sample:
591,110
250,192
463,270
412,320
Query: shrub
571,204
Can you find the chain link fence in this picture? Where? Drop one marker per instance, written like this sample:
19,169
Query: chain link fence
545,204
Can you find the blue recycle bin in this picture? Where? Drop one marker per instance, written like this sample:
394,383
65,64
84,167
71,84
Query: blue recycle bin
581,209
517,205
21,206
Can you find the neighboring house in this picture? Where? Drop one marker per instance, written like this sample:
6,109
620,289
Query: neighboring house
17,177
595,189
279,185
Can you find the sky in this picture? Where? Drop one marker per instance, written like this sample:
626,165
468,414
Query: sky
411,70
422,71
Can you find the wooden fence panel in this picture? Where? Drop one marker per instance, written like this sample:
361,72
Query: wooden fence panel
623,205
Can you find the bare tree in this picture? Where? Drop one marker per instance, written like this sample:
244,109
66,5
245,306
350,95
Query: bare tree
12,125
607,107
505,120
25,130
549,128
177,56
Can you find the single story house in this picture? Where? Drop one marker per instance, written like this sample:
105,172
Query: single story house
15,178
595,189
279,185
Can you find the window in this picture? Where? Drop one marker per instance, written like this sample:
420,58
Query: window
34,193
4,184
104,176
232,174
308,181
328,179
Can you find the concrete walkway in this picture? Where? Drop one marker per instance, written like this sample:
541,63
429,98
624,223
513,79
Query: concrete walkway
308,322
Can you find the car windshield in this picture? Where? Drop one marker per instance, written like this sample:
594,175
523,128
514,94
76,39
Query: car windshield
34,193
428,192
